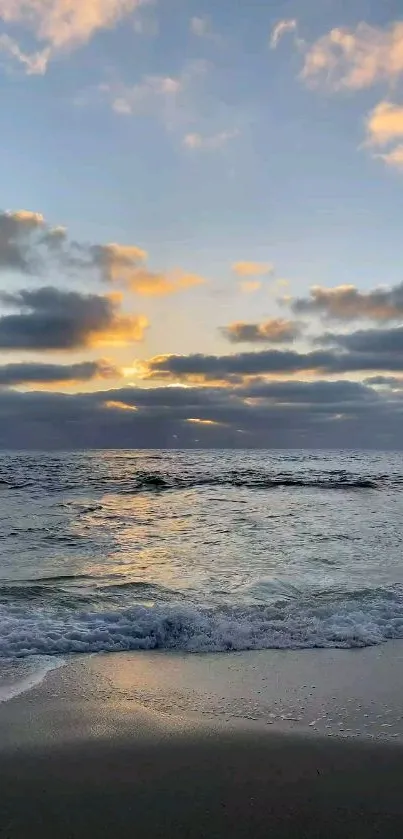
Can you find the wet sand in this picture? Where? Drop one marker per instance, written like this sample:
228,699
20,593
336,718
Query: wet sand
82,756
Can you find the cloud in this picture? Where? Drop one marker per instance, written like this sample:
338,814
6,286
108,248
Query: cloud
196,421
50,319
314,393
274,331
385,381
29,373
185,105
252,269
250,286
201,27
117,262
280,29
27,241
380,342
273,414
125,265
393,158
198,142
150,283
35,64
28,244
173,100
355,58
234,369
346,303
17,233
152,92
58,25
385,124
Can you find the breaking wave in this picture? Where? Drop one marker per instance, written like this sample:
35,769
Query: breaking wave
346,620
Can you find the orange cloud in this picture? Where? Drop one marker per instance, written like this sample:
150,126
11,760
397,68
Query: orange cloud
384,127
120,332
206,422
393,158
59,25
273,331
68,320
252,269
116,405
126,264
26,218
355,58
151,284
250,286
28,241
385,124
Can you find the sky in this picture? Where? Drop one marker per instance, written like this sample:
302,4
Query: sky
200,224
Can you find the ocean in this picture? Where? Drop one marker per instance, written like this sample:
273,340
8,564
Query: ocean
196,551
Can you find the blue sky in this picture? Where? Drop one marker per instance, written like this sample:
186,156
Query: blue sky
206,134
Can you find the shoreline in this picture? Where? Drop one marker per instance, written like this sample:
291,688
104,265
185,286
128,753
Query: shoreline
161,745
353,694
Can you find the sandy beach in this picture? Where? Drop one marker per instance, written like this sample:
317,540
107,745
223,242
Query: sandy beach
165,745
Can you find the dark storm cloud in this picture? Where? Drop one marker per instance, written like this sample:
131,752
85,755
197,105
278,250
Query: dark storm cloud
346,303
274,331
224,367
231,368
50,319
331,393
282,414
369,341
25,374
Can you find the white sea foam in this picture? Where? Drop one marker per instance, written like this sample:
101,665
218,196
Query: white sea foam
315,622
14,682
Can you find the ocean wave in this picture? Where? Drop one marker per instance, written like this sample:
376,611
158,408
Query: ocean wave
80,590
322,621
150,482
131,482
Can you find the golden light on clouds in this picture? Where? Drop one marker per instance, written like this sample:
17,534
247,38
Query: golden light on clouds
116,405
250,286
274,330
196,421
125,264
154,284
393,158
252,269
26,217
121,332
58,25
355,58
385,124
